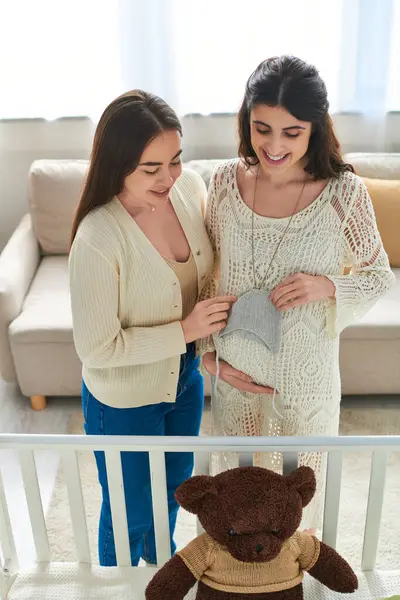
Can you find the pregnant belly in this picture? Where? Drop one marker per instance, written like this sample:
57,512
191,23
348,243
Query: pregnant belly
249,355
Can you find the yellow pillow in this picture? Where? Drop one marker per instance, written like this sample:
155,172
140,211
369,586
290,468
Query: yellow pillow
385,196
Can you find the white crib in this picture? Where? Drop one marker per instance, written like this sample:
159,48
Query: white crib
49,580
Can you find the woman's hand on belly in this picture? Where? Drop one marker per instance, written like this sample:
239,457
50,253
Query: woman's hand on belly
299,289
232,376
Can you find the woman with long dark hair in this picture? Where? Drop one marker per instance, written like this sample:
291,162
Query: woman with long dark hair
296,240
139,259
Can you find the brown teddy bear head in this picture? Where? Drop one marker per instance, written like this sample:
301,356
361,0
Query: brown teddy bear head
249,510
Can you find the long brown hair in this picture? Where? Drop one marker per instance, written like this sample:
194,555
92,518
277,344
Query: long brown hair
125,128
295,85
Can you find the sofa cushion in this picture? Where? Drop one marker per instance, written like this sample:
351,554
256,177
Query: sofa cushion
382,322
46,313
380,165
54,190
385,196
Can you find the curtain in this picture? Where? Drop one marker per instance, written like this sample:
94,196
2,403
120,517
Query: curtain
58,59
355,44
71,58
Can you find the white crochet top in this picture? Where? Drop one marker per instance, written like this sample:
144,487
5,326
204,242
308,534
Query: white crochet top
337,230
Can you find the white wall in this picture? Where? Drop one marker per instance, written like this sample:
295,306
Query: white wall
21,142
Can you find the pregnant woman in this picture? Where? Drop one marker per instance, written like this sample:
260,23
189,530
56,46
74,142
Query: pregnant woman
296,240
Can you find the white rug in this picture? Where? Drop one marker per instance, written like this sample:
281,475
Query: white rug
354,421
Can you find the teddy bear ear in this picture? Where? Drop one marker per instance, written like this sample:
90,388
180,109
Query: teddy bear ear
304,482
191,493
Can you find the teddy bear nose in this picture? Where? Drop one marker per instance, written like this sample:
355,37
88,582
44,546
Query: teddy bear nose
259,548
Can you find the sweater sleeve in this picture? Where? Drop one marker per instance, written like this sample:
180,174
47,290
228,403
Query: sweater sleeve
370,276
210,289
100,340
309,549
197,555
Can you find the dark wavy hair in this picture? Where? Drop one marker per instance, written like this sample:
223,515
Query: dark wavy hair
125,128
296,86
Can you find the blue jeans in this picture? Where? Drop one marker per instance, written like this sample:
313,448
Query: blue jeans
182,417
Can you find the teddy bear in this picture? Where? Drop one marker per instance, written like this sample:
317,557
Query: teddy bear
252,548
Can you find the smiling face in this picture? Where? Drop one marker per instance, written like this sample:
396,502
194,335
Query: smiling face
159,167
278,138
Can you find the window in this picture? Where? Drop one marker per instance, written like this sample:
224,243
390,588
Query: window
196,54
58,58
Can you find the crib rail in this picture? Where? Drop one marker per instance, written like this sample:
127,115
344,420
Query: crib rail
199,444
69,446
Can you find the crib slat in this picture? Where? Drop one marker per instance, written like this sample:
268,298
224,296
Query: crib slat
201,463
5,583
76,505
201,467
290,462
6,534
374,510
35,506
160,507
246,459
332,498
118,507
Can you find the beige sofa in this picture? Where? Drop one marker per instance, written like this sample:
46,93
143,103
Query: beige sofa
36,343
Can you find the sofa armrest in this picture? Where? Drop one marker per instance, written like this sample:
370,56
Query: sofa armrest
18,264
